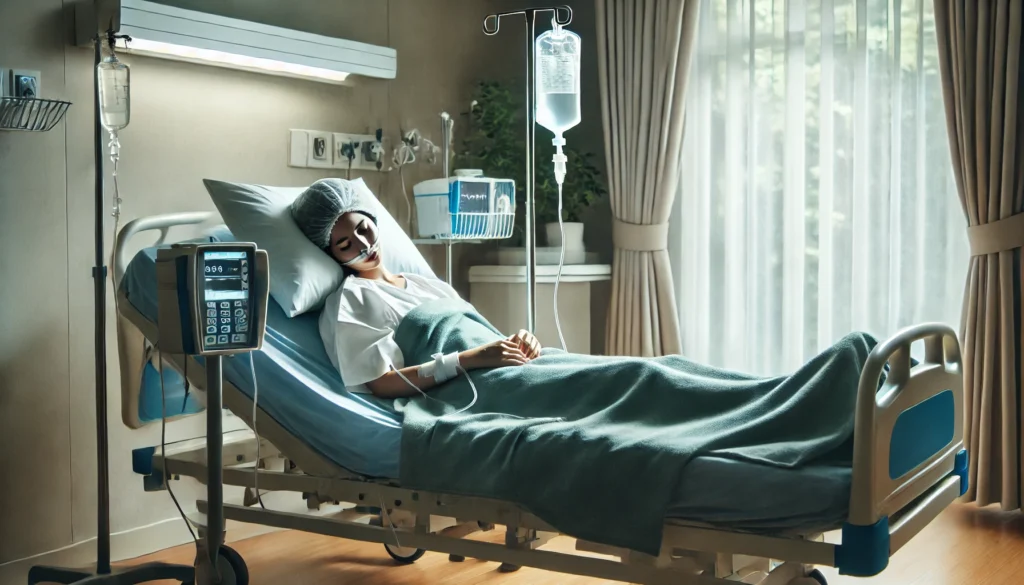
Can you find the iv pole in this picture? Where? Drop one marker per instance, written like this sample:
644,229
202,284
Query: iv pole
492,23
446,138
103,574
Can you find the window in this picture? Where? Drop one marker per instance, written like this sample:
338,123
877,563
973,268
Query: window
817,196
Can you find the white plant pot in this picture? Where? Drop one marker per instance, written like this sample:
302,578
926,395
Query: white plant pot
573,235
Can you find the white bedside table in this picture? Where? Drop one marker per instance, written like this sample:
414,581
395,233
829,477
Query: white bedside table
499,293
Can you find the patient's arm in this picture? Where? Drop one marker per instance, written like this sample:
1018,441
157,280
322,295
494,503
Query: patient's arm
505,352
391,385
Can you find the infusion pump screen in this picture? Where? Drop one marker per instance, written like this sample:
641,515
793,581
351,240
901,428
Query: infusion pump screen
226,299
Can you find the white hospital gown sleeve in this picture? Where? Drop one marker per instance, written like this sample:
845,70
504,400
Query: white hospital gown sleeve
364,348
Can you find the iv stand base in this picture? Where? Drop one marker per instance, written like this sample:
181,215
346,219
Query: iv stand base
127,576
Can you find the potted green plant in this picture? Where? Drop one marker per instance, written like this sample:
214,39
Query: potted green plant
495,142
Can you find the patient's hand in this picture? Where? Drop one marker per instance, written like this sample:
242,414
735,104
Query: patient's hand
505,352
528,343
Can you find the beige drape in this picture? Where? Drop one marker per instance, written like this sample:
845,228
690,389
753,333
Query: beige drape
644,49
981,68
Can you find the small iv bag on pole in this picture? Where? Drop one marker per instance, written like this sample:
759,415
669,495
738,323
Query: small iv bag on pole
114,79
557,90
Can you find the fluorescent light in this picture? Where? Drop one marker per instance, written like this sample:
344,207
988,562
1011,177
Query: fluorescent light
165,31
233,60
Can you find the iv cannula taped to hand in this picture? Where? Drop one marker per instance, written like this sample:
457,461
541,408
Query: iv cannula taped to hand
557,88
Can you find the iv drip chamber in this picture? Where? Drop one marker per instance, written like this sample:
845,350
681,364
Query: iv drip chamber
557,79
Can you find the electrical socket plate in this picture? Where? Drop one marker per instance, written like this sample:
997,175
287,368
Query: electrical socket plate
26,83
362,161
320,150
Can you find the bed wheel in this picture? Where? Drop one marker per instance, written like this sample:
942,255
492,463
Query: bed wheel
456,558
508,568
404,554
813,578
231,566
237,564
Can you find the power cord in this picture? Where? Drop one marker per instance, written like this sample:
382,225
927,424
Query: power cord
163,446
406,154
348,150
255,400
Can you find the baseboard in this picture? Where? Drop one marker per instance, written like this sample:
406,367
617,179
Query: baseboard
134,543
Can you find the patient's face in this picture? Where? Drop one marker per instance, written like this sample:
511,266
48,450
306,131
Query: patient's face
353,233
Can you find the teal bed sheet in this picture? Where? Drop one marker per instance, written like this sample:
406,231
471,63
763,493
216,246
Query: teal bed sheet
599,447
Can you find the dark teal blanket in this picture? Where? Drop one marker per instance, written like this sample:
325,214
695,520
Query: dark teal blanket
595,445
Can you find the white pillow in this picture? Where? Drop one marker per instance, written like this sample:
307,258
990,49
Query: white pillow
302,275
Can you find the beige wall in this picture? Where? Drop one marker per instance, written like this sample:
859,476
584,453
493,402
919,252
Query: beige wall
188,122
35,484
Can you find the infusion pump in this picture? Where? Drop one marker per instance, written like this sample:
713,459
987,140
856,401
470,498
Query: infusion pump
212,298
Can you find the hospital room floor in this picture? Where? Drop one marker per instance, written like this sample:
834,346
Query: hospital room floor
964,546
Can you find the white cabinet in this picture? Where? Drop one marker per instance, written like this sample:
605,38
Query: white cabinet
499,294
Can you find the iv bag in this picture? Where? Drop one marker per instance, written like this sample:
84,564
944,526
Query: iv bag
557,79
115,93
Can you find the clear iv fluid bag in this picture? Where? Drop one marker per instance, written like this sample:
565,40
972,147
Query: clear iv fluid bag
115,93
557,79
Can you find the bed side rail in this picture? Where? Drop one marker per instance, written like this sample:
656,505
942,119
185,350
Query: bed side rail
162,223
908,459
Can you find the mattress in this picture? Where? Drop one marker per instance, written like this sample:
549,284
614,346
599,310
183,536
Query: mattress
301,391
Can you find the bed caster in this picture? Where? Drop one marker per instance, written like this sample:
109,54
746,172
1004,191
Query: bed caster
403,554
231,567
813,578
508,568
456,558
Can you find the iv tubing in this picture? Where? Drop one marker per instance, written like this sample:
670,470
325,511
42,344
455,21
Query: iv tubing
559,160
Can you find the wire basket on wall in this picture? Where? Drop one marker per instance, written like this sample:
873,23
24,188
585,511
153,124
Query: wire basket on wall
31,114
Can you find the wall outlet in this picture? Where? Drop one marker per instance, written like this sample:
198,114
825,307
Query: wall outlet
324,150
321,150
26,83
360,145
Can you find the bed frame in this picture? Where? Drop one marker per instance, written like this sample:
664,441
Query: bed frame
909,465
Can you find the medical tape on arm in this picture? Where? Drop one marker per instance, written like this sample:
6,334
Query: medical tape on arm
442,369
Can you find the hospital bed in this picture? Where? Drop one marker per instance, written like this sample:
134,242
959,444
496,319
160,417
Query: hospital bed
730,521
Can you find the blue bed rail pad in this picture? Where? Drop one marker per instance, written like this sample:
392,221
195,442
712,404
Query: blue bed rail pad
142,460
960,467
864,551
920,432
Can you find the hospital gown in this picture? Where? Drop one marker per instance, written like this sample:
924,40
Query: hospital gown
358,324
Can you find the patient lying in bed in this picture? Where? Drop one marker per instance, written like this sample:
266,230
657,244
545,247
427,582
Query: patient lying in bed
567,434
359,319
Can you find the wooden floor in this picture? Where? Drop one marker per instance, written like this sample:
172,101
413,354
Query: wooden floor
965,546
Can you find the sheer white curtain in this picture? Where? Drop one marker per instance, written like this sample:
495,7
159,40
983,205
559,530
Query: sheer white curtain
817,196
